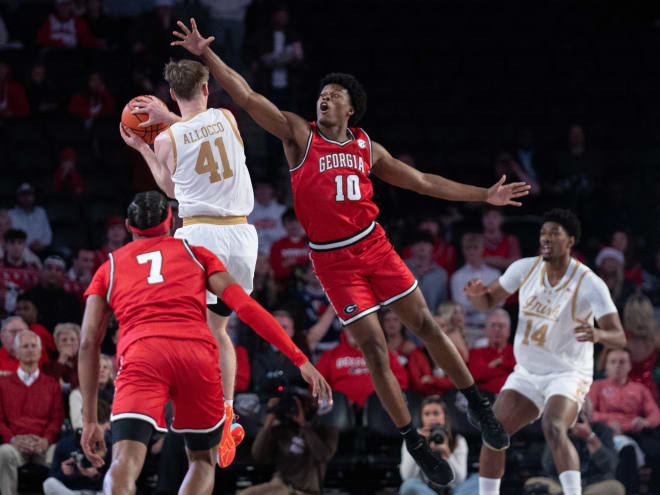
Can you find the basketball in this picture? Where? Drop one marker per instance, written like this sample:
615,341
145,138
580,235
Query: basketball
133,121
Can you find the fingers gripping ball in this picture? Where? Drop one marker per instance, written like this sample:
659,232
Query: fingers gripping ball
133,121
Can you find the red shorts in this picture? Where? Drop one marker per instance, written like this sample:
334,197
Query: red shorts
364,276
154,369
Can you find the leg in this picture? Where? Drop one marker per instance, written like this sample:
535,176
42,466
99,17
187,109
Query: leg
609,487
415,486
559,414
553,487
627,470
53,486
201,472
273,487
10,460
127,460
218,326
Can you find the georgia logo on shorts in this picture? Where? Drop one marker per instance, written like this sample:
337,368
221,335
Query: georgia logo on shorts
362,143
350,308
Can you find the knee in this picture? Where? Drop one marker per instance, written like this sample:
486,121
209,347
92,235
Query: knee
203,459
50,486
377,357
8,455
424,326
554,430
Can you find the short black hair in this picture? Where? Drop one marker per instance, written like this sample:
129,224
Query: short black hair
289,214
355,91
15,235
26,297
421,236
147,209
567,219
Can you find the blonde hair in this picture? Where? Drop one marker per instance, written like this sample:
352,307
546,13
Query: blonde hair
186,77
61,328
105,357
638,316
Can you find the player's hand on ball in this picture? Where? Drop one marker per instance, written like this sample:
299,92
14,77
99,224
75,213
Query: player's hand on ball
500,194
130,138
320,388
475,288
192,41
585,332
154,108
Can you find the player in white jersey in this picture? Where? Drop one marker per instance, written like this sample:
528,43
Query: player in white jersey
559,299
200,161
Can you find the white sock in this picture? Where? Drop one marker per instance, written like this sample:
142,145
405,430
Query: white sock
571,482
231,402
489,486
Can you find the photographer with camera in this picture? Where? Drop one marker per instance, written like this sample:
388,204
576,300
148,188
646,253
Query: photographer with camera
435,428
71,472
301,448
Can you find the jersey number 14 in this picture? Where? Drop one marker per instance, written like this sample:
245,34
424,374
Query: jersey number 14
206,163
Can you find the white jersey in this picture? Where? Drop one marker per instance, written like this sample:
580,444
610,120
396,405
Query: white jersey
544,341
210,176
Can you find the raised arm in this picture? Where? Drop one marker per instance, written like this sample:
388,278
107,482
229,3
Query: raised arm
485,298
397,173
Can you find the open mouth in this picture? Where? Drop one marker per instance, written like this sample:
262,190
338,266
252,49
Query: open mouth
324,107
545,249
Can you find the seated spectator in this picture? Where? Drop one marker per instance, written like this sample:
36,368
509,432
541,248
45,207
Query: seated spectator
426,377
651,281
80,274
9,362
64,29
299,447
452,447
100,25
95,101
450,315
290,250
106,391
67,179
31,219
116,236
265,290
54,304
500,249
42,95
26,309
345,369
71,474
17,274
491,365
266,215
242,369
444,254
31,413
609,266
620,241
432,278
396,334
13,102
64,367
5,225
475,267
598,459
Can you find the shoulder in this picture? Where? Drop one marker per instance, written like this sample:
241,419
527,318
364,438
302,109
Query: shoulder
524,265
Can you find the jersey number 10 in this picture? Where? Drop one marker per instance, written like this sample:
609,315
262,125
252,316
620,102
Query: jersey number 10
352,188
207,164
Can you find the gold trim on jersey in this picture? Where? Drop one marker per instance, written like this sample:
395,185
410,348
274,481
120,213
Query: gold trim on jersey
538,259
577,289
169,131
542,275
228,220
563,286
193,115
229,117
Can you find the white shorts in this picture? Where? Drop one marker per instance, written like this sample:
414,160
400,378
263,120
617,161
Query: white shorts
539,388
235,245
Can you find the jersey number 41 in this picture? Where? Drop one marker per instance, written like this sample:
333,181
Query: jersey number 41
206,163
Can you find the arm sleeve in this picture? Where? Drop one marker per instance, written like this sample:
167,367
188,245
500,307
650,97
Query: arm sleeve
408,468
458,460
511,279
599,295
99,283
262,322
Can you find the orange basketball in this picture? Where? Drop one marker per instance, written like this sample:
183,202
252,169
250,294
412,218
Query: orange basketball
132,121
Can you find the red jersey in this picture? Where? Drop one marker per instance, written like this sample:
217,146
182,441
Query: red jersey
332,191
285,254
157,288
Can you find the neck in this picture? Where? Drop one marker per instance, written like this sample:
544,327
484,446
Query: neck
29,368
113,245
335,132
27,209
476,264
14,260
395,341
191,108
558,266
621,381
498,346
492,233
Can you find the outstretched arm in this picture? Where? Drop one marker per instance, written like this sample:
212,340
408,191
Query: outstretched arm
485,298
397,173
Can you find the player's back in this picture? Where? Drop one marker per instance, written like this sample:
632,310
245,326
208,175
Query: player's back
156,287
210,176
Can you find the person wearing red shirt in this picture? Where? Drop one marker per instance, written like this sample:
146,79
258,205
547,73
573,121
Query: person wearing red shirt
500,249
444,254
31,413
96,101
346,369
13,101
16,274
116,235
290,250
64,29
156,286
490,366
67,179
11,327
242,369
27,309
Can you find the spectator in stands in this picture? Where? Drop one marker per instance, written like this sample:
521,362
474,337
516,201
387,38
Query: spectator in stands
396,334
290,250
106,391
54,304
451,317
13,102
651,281
432,277
299,447
444,254
453,448
506,164
116,235
64,367
71,475
64,29
620,240
93,102
27,309
11,327
68,180
227,25
265,290
475,267
82,268
31,413
531,165
42,95
426,377
500,249
609,265
30,218
490,366
266,216
346,371
242,369
5,225
598,459
100,25
17,274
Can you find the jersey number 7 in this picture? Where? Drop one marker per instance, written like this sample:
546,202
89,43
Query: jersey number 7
155,258
207,164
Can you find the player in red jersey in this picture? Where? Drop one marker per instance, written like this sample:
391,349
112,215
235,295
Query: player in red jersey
330,164
156,286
